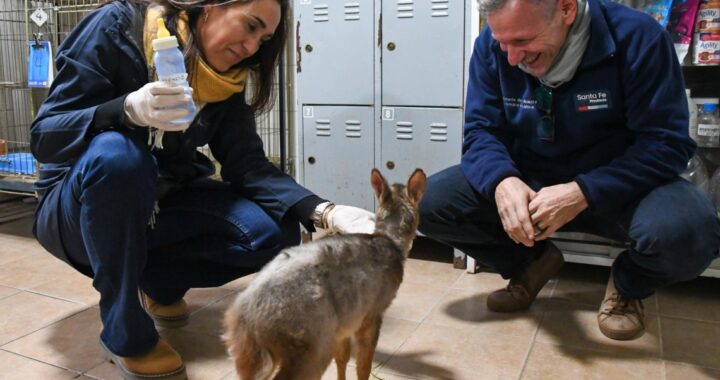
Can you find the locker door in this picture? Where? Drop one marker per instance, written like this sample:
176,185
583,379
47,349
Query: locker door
422,52
335,51
338,153
425,138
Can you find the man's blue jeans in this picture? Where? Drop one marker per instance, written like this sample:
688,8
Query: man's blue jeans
205,235
674,233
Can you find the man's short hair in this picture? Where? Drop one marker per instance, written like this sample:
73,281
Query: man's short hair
487,7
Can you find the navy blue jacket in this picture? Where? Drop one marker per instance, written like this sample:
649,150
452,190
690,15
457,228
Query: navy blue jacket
98,64
621,123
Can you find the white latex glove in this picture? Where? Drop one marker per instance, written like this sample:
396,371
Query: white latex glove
157,104
350,220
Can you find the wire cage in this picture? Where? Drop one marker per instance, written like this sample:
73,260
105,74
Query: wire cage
19,102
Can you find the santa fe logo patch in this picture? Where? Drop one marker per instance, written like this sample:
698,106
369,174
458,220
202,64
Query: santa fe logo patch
592,100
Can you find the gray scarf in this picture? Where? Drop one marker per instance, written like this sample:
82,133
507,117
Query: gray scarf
568,60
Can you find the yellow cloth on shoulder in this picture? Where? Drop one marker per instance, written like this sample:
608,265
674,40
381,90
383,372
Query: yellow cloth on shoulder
208,85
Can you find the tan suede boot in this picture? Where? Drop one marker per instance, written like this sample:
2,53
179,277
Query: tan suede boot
522,290
620,318
169,316
161,363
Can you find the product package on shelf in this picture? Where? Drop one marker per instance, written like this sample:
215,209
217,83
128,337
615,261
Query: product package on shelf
681,25
706,42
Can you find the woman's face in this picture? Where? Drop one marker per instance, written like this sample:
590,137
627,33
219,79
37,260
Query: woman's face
230,34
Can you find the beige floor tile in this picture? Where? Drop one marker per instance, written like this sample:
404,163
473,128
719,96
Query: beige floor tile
24,313
15,367
575,325
548,361
414,301
7,292
677,371
208,320
199,298
482,282
583,284
18,248
239,284
691,342
438,352
696,299
72,286
71,343
204,356
105,371
430,272
35,271
466,309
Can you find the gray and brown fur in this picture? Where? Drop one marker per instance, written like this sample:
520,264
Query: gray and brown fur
301,310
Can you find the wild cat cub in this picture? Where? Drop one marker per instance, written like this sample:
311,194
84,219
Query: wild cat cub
303,307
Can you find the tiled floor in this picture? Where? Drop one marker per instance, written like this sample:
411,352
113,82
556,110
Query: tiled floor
437,328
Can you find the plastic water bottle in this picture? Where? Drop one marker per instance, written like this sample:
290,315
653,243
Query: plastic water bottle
715,190
708,126
696,173
170,65
693,111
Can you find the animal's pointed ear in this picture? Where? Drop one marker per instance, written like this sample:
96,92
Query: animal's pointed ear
379,185
416,185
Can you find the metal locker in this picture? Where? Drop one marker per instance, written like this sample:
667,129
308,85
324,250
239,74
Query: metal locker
422,52
425,138
338,153
335,51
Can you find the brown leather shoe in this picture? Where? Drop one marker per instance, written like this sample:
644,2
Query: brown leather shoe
161,363
172,316
522,290
620,318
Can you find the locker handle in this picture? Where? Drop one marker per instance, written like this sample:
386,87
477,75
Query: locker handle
390,165
311,160
308,48
391,46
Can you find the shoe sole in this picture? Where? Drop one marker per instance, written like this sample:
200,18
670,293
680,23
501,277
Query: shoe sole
179,374
619,334
172,323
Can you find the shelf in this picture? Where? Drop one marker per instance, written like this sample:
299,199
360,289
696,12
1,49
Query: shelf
702,80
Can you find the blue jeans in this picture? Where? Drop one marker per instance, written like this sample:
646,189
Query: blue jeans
205,235
673,232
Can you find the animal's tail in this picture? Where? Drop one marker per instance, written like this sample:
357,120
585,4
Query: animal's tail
252,360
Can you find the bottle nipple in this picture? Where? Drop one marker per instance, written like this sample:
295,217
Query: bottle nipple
162,31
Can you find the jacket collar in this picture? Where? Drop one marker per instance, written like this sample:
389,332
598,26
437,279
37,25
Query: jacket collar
601,45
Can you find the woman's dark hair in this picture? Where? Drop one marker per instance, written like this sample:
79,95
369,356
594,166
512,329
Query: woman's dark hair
262,64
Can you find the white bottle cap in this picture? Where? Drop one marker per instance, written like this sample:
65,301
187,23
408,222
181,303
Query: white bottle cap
164,43
701,101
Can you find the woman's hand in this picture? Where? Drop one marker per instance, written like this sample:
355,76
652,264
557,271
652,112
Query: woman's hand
157,104
350,220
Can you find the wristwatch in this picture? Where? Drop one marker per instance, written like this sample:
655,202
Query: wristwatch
319,215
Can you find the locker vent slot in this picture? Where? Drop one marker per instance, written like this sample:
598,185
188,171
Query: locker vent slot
352,11
404,130
352,128
440,8
438,132
322,127
321,13
405,9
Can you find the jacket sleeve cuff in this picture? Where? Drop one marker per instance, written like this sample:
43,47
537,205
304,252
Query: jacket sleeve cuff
302,210
109,116
585,192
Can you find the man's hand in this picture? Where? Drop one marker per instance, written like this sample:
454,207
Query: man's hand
512,197
555,206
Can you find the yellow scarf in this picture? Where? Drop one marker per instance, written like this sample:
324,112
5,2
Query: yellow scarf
208,85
